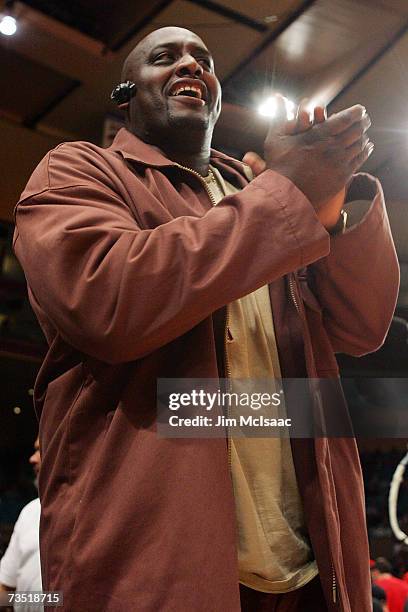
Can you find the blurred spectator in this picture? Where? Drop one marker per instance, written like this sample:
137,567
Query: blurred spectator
399,559
35,461
379,598
20,566
395,589
377,606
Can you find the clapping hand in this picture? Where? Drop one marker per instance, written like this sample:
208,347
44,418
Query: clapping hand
318,154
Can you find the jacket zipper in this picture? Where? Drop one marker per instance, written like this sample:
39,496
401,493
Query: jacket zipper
202,181
226,337
227,374
334,585
292,293
297,306
226,331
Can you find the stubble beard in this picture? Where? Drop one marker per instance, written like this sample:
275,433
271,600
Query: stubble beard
196,124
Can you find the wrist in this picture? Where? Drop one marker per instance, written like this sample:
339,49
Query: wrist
330,212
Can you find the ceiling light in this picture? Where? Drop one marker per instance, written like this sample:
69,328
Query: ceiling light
8,25
17,410
269,107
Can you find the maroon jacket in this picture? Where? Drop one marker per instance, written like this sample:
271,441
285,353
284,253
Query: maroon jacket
126,261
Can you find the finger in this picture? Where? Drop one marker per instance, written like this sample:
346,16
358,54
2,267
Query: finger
354,132
291,126
304,121
255,162
320,114
281,115
356,148
362,157
340,122
279,123
303,117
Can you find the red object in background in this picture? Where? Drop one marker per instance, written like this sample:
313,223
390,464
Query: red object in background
396,591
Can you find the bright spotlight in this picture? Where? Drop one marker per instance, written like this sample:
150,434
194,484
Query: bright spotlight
269,107
8,26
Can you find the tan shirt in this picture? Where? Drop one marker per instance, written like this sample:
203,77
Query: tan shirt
274,552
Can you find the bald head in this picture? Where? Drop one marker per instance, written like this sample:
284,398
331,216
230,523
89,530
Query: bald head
143,47
175,91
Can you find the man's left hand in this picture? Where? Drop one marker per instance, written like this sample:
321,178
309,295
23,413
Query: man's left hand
329,212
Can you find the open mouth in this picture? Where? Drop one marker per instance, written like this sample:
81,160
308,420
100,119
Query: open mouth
189,90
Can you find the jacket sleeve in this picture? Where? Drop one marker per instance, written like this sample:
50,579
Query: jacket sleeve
357,283
117,292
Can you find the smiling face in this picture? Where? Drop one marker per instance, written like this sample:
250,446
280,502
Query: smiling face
176,87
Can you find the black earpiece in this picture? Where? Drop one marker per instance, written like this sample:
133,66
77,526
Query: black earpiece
123,92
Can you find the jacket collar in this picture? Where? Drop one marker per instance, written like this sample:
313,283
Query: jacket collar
131,148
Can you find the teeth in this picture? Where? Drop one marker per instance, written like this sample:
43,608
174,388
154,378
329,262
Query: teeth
179,90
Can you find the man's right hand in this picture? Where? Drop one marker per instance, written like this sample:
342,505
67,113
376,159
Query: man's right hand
321,160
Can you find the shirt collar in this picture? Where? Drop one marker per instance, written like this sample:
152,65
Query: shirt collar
132,148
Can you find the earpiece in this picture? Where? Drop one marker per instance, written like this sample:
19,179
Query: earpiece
123,92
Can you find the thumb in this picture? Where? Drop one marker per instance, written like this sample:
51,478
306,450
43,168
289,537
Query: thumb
255,162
